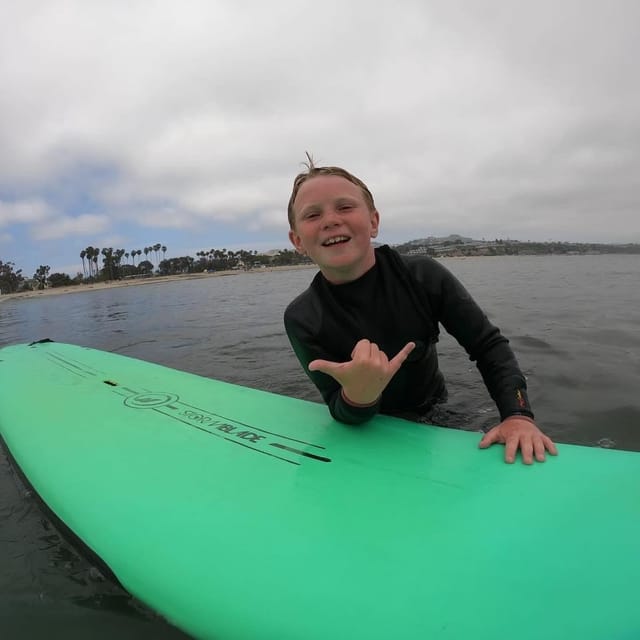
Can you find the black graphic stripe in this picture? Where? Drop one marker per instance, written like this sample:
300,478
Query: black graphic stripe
302,453
219,435
250,426
80,363
266,453
69,363
82,374
189,424
119,393
125,392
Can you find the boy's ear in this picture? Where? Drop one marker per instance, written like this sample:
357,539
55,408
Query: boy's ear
297,242
375,223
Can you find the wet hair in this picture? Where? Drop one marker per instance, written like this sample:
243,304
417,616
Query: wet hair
313,171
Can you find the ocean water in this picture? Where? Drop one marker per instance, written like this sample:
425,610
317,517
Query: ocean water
573,322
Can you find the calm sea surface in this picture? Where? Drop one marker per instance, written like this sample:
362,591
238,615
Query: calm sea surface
573,321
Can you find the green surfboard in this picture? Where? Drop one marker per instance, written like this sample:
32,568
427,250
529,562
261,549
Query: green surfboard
240,514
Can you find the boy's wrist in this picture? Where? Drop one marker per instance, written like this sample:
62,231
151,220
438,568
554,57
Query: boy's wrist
360,405
521,416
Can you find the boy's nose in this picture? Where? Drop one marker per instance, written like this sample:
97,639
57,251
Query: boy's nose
331,219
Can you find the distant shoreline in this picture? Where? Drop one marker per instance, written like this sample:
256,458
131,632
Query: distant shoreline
135,282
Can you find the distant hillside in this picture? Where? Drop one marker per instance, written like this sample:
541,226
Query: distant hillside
456,245
453,238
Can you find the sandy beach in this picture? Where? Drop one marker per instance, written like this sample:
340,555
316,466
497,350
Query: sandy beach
136,282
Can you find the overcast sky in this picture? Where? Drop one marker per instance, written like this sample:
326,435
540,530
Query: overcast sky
130,123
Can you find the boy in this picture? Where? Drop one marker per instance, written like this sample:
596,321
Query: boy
365,330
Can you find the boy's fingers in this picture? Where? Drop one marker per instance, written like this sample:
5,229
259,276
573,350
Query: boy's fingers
401,356
550,446
325,366
488,439
363,348
510,449
366,350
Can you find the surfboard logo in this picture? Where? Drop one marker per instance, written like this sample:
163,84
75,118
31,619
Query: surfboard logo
150,400
279,446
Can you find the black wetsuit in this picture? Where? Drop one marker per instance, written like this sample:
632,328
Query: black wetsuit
401,299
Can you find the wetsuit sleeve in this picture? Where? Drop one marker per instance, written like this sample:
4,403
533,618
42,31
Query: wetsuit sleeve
307,349
460,315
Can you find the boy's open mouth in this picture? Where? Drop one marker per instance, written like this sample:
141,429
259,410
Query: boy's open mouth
335,240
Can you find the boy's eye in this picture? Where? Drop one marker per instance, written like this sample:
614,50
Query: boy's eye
345,207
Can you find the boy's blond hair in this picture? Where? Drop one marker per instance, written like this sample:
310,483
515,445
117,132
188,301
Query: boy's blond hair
313,171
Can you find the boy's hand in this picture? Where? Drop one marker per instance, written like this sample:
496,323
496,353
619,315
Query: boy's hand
520,432
367,374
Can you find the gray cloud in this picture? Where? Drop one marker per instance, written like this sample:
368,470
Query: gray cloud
489,118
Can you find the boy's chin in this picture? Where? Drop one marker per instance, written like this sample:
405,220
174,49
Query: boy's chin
342,260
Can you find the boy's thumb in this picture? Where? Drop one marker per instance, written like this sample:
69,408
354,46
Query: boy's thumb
324,366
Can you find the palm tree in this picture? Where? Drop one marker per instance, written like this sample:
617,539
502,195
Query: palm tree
83,253
90,255
119,254
164,251
96,253
108,261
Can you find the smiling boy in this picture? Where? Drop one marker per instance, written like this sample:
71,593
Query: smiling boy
366,328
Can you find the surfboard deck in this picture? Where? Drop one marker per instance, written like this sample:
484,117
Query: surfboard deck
241,514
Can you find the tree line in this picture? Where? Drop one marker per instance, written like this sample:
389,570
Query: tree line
112,261
107,263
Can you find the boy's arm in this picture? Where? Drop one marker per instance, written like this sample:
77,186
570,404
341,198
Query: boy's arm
484,343
307,350
468,324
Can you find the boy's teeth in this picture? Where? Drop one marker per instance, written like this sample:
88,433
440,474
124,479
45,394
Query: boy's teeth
336,240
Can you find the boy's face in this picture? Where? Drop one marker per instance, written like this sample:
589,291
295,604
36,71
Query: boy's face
333,226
